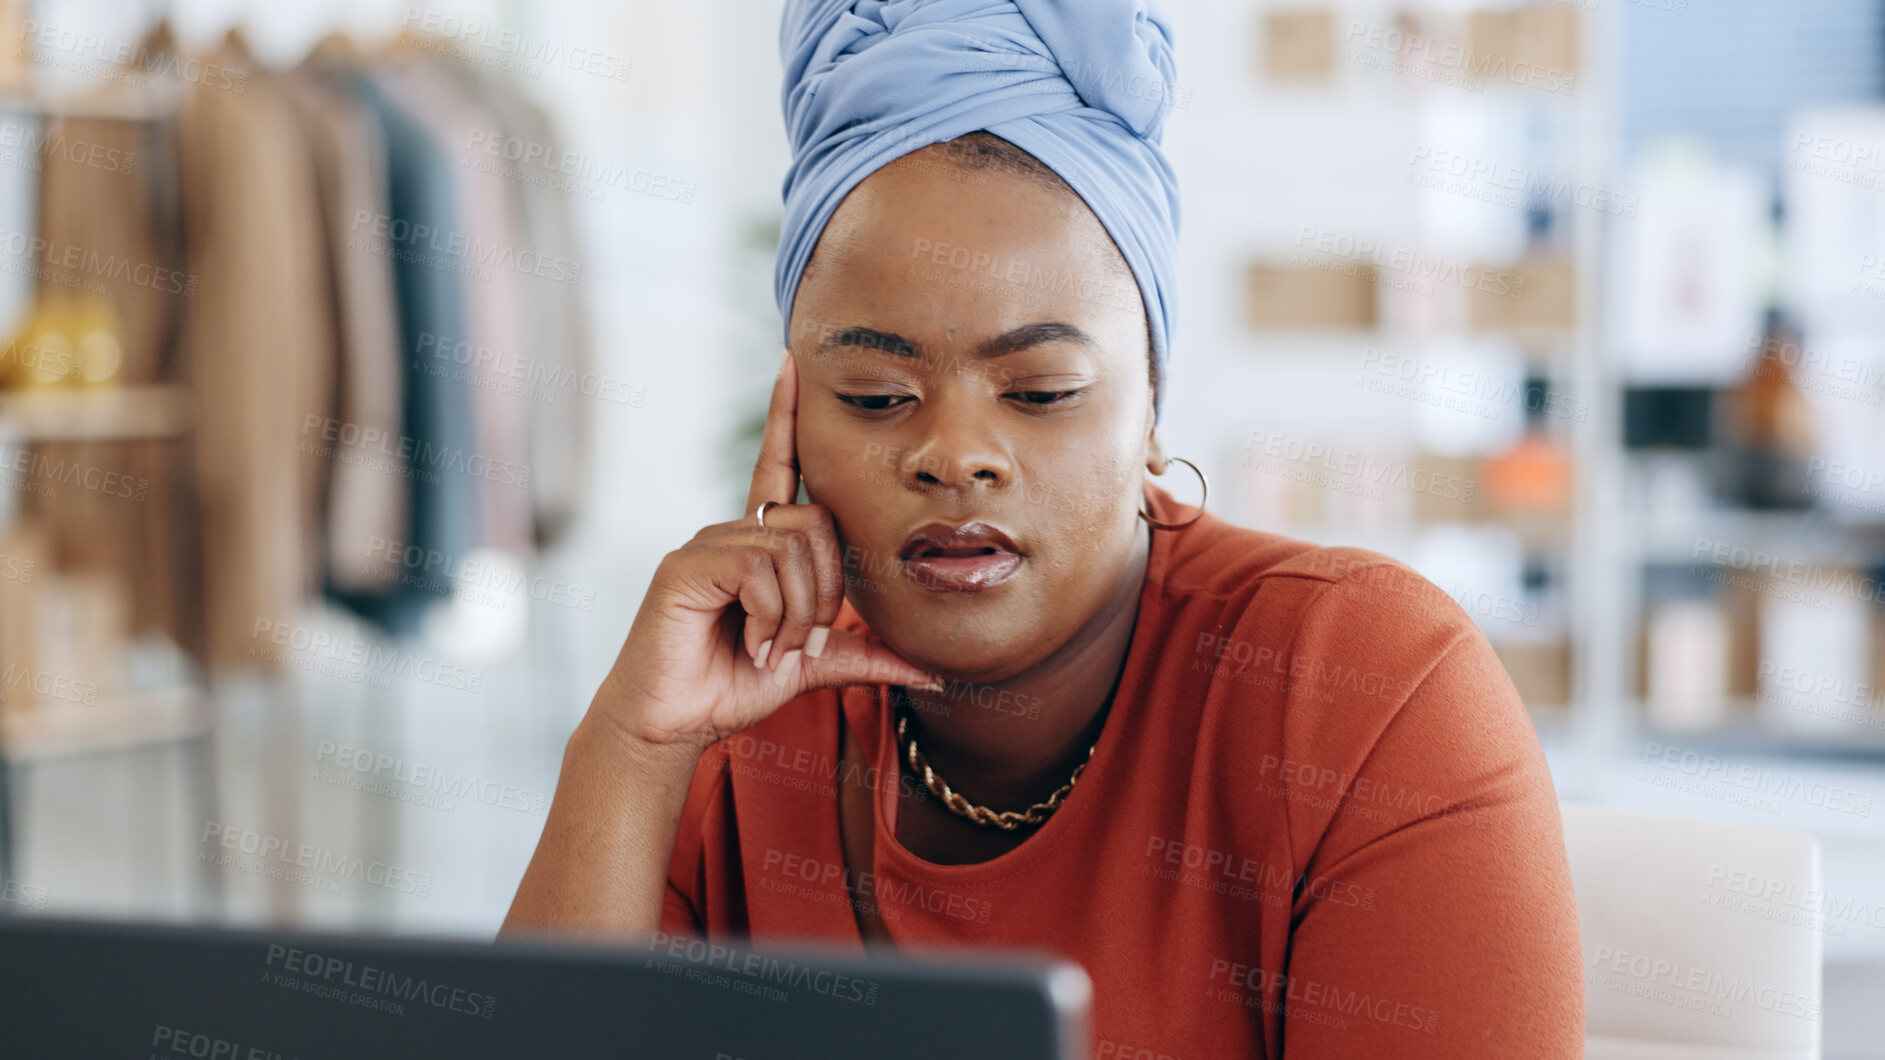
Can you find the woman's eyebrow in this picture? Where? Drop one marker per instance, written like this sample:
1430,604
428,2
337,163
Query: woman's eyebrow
1014,341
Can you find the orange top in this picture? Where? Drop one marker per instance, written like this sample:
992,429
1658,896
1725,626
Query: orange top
1317,823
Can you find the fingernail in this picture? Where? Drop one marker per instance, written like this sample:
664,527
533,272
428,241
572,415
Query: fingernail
786,662
759,660
815,641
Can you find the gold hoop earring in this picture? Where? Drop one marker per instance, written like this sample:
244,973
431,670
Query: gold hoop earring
1204,494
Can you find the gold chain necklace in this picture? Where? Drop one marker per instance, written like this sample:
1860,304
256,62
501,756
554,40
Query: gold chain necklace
1007,820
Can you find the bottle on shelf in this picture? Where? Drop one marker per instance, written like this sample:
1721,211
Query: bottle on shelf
1770,437
1534,476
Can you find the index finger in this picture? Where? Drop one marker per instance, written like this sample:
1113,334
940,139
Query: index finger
776,475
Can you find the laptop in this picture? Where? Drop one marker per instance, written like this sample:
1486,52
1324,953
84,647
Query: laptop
75,988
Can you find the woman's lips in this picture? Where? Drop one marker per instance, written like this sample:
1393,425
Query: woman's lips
965,558
961,570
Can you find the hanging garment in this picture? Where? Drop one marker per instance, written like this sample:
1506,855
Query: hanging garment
557,332
486,352
368,499
443,504
259,335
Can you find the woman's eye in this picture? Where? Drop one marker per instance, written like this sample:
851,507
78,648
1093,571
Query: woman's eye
872,402
1043,397
887,402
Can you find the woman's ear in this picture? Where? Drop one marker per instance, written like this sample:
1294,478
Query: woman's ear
1155,460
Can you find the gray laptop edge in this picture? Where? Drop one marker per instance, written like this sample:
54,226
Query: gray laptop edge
71,988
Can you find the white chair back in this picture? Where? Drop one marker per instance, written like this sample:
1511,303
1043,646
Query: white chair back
1701,939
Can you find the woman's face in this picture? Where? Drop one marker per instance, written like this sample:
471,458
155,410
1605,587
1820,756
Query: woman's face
972,346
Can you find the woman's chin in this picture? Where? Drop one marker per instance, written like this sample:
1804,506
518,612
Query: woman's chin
975,663
962,647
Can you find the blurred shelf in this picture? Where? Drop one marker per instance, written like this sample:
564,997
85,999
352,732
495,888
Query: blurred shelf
1538,529
95,414
1745,731
1389,539
57,728
1541,533
1787,534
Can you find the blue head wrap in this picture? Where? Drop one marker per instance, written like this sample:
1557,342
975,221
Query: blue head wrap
1082,85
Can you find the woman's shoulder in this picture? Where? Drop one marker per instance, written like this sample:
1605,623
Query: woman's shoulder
1353,694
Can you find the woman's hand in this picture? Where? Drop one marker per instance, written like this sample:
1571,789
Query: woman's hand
737,621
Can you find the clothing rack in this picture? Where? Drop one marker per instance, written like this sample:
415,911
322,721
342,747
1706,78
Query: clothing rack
357,124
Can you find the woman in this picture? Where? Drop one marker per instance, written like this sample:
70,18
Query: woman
991,687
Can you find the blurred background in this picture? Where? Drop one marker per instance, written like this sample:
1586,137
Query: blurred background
362,360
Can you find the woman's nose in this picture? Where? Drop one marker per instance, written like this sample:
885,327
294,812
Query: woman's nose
957,450
987,474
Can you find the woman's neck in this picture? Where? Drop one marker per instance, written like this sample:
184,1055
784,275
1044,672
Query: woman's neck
1009,743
